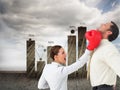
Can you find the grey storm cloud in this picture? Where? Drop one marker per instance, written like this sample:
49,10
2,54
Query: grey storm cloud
20,13
45,17
24,14
29,14
44,20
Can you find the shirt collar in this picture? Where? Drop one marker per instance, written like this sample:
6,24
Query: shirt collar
104,40
58,64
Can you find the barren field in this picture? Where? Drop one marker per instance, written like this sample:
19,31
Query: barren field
13,81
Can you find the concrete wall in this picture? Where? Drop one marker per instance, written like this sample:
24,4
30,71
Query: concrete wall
49,59
40,66
82,73
30,58
72,52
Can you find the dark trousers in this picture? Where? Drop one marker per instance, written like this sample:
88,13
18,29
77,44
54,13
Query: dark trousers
103,87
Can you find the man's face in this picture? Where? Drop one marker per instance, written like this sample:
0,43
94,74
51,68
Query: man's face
61,56
105,30
105,27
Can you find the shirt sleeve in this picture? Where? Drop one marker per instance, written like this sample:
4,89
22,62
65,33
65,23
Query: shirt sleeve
42,83
75,66
112,59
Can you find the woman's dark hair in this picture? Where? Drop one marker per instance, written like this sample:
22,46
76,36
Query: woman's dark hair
115,32
54,51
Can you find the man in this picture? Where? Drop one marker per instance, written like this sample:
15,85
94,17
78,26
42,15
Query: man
55,75
105,61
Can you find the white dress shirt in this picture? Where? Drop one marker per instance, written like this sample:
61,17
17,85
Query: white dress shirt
105,64
55,75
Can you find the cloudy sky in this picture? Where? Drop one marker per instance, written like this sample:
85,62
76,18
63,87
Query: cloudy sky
48,22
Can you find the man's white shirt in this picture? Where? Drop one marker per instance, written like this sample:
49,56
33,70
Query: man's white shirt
105,64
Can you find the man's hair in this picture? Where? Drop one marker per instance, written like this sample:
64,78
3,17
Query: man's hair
54,51
115,32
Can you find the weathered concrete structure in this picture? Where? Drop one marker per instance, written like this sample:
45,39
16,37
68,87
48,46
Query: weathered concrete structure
49,59
40,66
82,73
30,58
72,52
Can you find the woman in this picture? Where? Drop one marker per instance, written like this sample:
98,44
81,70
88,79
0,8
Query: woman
55,75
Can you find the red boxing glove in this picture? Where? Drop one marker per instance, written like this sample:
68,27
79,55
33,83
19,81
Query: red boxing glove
94,37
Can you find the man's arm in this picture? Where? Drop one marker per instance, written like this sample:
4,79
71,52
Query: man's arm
42,83
113,60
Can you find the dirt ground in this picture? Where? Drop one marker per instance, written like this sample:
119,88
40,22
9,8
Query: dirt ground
15,81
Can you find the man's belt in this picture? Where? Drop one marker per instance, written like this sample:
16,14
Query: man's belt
103,86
